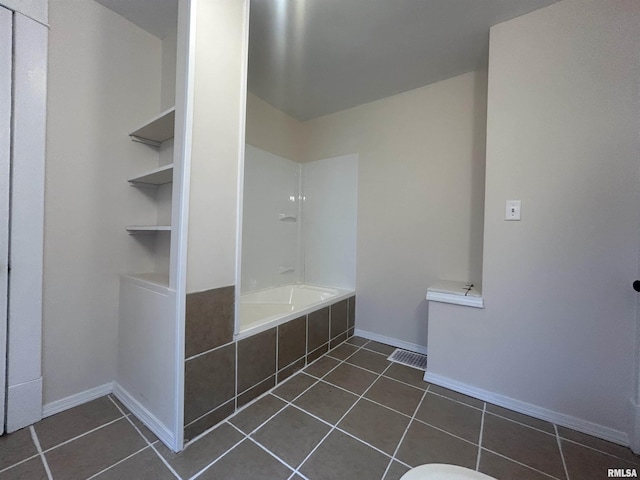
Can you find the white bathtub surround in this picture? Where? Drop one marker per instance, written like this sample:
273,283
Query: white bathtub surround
270,235
329,221
264,309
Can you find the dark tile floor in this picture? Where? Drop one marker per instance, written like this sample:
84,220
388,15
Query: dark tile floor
349,415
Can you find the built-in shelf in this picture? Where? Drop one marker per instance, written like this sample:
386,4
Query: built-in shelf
157,176
147,229
157,130
152,278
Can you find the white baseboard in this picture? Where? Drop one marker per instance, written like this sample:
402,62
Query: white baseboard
394,342
634,434
71,401
584,426
24,404
165,435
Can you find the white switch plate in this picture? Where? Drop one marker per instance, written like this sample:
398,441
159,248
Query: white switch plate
512,211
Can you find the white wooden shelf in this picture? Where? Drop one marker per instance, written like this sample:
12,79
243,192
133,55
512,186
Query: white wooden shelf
157,176
149,279
157,130
147,229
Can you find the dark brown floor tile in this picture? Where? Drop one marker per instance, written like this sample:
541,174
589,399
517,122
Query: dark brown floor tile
142,466
380,348
144,431
256,391
292,341
369,360
290,370
291,435
521,418
209,319
201,453
343,351
317,353
209,382
424,444
326,402
459,397
339,320
254,415
357,341
30,470
119,404
599,444
586,464
342,457
338,340
352,378
92,453
247,462
256,359
376,425
294,386
395,395
396,470
409,375
75,421
523,444
503,469
321,367
211,419
15,447
453,417
351,322
318,328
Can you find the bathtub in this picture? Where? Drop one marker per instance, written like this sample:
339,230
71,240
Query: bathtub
263,309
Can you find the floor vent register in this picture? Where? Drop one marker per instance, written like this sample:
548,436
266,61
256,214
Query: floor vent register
410,359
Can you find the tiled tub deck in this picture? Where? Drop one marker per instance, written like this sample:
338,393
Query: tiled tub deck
222,375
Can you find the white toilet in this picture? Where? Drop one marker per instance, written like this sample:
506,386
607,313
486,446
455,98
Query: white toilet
441,471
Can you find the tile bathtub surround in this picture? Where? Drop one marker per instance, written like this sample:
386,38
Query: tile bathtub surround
309,428
209,319
221,380
256,359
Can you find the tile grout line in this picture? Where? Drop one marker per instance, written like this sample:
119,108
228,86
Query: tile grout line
290,403
34,437
162,459
340,419
204,469
484,410
20,462
118,462
521,464
404,434
84,434
564,463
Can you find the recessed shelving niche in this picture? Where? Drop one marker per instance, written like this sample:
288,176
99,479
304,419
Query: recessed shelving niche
157,130
147,229
157,176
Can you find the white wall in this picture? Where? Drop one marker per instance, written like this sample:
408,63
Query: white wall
273,130
218,140
563,122
420,196
329,221
271,188
104,80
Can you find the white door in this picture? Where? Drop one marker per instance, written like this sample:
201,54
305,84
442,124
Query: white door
5,150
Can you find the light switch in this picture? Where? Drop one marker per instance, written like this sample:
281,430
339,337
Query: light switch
512,211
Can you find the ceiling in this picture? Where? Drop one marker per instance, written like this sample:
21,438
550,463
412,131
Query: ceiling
310,58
